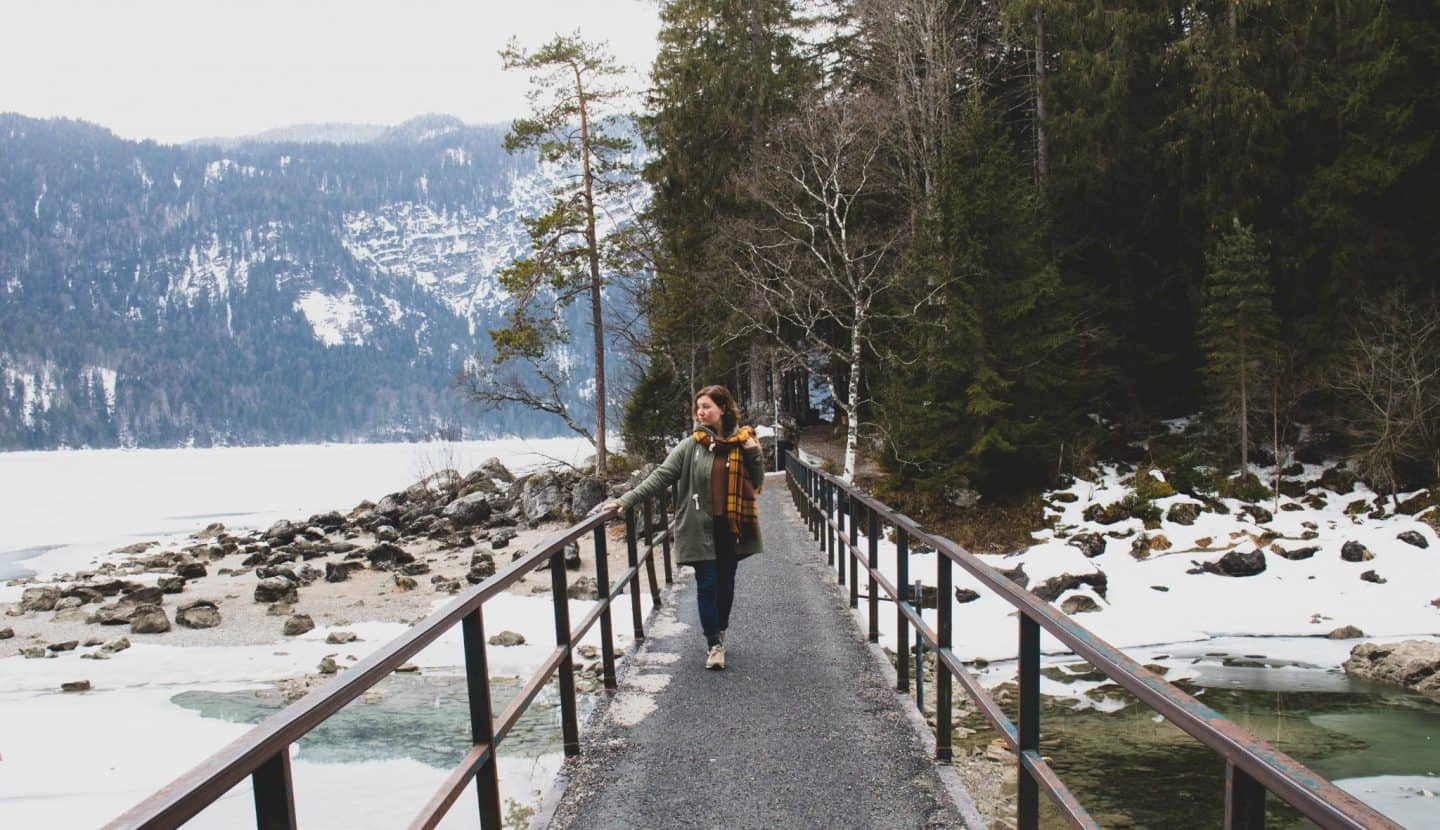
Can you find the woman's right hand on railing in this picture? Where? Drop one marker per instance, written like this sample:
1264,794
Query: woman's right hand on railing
615,505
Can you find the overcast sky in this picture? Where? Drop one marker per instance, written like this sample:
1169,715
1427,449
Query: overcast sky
174,70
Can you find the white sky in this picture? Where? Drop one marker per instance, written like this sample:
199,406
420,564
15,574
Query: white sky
174,70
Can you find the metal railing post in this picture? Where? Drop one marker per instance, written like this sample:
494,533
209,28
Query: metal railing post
665,529
482,724
569,721
829,528
650,559
1027,807
944,695
632,558
274,793
854,528
902,625
916,594
607,625
1244,800
872,533
841,499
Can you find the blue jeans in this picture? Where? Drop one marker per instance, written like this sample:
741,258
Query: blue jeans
715,583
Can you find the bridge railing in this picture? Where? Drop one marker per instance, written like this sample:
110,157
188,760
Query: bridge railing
263,753
834,511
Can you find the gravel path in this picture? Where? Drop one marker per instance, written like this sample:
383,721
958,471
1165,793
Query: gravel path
800,730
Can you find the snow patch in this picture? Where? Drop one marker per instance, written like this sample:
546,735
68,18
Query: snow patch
336,320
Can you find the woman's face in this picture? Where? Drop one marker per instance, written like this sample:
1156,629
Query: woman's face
706,412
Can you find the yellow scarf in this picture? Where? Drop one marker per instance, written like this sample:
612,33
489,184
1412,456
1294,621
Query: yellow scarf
740,494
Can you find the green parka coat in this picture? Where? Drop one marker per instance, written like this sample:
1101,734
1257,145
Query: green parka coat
689,464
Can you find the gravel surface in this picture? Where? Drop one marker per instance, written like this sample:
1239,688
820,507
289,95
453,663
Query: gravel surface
800,730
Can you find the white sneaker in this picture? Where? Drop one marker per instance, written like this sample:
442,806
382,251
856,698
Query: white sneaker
715,658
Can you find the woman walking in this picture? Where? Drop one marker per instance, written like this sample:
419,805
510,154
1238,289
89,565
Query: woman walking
719,471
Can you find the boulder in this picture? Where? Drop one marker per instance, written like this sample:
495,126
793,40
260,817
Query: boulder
1372,576
276,589
1079,604
1258,513
42,598
1237,563
1412,664
1355,552
448,586
339,571
507,638
1018,576
116,645
332,519
964,595
297,624
117,613
1294,555
191,570
390,507
405,583
572,556
588,493
495,471
149,595
1345,632
386,533
1413,537
68,645
6,633
501,539
149,619
75,686
583,588
328,665
1182,513
281,533
1052,588
170,584
542,496
387,556
1090,544
340,638
415,569
468,510
200,613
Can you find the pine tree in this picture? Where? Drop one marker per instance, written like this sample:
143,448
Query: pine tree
1238,328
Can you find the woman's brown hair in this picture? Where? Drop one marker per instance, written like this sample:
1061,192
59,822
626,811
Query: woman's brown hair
729,412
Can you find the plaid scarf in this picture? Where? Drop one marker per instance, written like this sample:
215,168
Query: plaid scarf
739,492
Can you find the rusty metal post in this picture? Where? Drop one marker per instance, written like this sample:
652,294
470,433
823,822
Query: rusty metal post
902,625
1027,806
944,695
632,557
274,793
569,720
872,533
482,724
607,626
1244,800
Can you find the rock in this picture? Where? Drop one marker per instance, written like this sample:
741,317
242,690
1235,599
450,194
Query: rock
589,492
339,571
34,652
386,533
507,638
1090,544
200,613
1106,514
495,471
1140,548
276,589
66,603
542,496
390,507
340,638
332,519
6,633
171,584
281,533
961,497
279,609
572,557
501,539
1018,576
190,570
151,595
583,588
1294,555
1236,563
1052,588
1413,537
328,665
387,556
964,595
116,645
449,586
468,510
68,645
405,583
41,598
407,668
1355,552
298,624
149,619
1183,513
94,655
1258,513
1412,664
75,686
1371,576
138,547
1345,632
1079,604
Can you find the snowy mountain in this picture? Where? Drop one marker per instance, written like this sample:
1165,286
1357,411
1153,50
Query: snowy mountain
273,290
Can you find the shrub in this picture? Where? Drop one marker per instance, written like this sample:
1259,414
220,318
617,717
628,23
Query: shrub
1149,487
1245,488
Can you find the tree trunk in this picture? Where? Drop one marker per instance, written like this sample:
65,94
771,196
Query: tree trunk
757,380
597,321
1275,426
852,395
1244,415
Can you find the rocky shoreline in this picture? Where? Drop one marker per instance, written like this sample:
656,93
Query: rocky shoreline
382,561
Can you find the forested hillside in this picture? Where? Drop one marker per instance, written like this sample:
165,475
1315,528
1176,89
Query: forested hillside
1015,235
